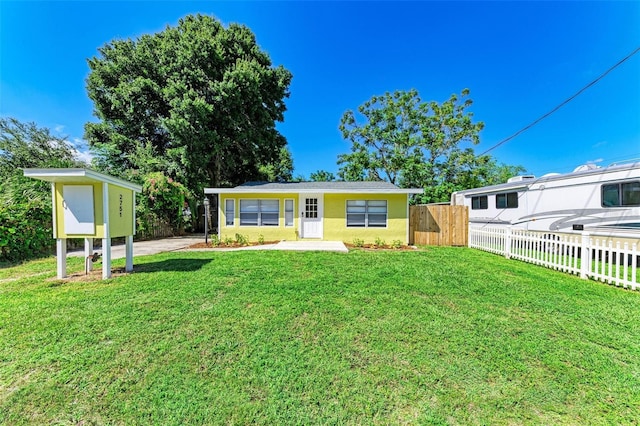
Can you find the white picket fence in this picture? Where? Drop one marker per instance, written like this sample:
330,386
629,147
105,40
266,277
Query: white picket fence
587,255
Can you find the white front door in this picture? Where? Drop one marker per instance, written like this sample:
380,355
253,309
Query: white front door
311,215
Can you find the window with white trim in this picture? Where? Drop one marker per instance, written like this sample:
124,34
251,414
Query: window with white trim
367,213
288,212
229,211
259,212
621,194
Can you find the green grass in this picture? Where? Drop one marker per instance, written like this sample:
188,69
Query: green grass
441,336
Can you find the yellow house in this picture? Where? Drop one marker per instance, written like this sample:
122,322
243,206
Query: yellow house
338,211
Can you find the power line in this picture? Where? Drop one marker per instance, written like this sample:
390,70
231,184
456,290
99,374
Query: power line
527,127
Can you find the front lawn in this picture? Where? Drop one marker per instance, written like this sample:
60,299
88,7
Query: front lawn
440,336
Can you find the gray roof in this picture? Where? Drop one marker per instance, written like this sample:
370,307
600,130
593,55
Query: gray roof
317,187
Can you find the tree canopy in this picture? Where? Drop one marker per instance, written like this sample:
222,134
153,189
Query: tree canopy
197,101
322,176
25,145
280,170
401,139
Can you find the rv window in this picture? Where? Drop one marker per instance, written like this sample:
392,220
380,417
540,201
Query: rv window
507,201
621,194
479,203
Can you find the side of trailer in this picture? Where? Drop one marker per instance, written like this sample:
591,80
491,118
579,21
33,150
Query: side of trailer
607,197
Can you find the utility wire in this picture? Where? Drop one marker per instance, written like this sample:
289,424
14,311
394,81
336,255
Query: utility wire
563,103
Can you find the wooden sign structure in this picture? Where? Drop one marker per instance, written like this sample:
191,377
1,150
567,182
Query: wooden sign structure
88,204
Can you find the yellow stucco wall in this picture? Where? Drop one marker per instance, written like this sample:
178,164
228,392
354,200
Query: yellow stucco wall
253,233
120,211
334,219
97,209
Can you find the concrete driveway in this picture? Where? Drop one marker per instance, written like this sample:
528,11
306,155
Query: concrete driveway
141,248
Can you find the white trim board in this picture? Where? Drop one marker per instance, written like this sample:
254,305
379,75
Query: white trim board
78,176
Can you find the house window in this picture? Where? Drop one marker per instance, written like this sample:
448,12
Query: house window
508,200
479,203
621,194
259,212
229,212
367,213
288,212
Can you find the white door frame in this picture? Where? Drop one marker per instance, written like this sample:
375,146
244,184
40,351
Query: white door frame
311,227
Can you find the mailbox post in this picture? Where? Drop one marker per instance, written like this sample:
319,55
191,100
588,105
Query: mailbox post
88,204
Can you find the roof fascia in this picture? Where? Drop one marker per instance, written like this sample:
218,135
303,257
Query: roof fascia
56,175
250,190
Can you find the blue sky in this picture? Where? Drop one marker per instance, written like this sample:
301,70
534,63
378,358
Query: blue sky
519,59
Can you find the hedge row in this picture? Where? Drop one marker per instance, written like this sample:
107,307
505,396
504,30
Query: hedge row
25,231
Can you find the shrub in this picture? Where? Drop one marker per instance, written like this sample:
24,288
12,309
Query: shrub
260,239
357,242
396,244
228,241
162,203
242,239
215,240
380,242
25,231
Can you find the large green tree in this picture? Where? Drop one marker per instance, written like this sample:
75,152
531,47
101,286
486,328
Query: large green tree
401,139
197,101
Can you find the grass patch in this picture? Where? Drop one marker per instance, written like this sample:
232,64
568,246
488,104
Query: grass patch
442,336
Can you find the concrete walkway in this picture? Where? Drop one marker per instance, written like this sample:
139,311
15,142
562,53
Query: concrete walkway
311,246
141,248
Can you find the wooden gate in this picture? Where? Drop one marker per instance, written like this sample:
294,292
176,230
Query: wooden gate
438,225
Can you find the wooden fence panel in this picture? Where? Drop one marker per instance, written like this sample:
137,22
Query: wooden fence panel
438,225
151,228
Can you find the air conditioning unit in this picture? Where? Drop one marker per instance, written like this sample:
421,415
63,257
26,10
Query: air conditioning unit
520,178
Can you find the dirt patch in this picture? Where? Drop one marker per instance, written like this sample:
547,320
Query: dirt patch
348,245
95,275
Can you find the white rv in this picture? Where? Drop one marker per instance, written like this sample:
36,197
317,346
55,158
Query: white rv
602,199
